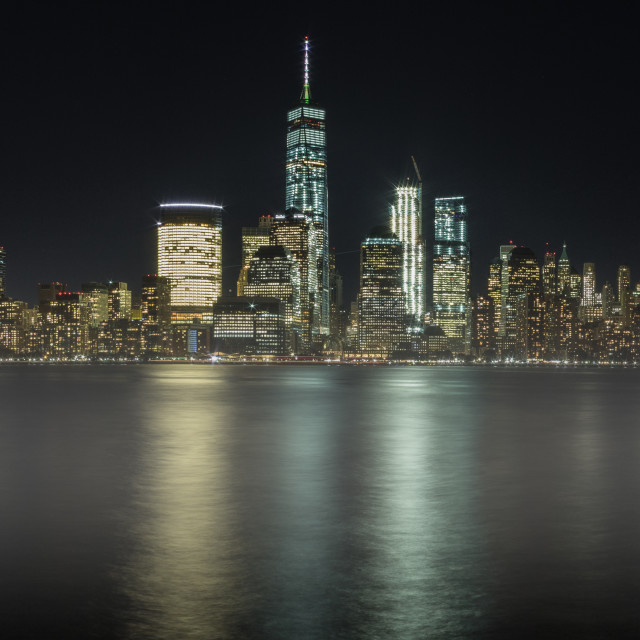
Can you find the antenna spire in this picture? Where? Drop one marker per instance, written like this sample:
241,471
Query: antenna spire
305,97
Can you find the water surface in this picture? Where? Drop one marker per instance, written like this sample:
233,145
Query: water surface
177,501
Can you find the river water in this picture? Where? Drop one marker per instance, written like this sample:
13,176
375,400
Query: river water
188,501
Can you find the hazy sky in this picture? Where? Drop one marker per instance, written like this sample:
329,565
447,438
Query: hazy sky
530,112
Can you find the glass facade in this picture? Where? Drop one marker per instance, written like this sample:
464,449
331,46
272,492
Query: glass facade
190,257
451,273
406,224
274,273
381,305
296,232
3,271
306,182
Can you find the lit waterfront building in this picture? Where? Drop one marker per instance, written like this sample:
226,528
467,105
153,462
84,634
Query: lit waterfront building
119,301
505,252
523,308
381,307
3,271
96,297
246,325
190,257
66,330
297,232
252,239
549,274
274,273
564,271
588,284
406,224
154,301
494,289
482,325
451,275
624,293
306,182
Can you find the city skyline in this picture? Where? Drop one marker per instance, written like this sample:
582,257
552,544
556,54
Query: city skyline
79,169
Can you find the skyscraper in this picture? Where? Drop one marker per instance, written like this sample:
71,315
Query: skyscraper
381,306
564,271
119,301
96,297
297,232
252,239
274,273
451,277
406,224
523,309
624,293
3,271
505,252
306,180
589,284
190,256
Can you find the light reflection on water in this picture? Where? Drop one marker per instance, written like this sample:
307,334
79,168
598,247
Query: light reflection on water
313,502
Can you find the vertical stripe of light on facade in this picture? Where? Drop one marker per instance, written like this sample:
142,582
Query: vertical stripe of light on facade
451,274
306,180
190,257
406,223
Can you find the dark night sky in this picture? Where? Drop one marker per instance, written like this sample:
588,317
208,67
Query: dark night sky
530,112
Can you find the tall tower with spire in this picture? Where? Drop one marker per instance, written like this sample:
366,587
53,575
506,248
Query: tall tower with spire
306,183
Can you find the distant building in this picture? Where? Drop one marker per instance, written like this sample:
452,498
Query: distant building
624,294
249,326
252,239
296,232
523,309
66,327
306,185
154,300
274,273
119,301
406,224
381,305
190,257
3,272
96,297
451,272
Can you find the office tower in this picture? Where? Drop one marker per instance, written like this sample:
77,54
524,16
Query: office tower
306,181
296,232
244,325
96,297
274,273
381,305
48,291
338,318
549,274
505,252
523,308
482,335
624,293
406,224
12,326
451,275
252,239
119,301
66,330
3,272
564,271
154,301
190,257
608,300
494,289
588,284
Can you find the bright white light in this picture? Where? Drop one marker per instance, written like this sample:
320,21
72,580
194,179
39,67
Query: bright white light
191,204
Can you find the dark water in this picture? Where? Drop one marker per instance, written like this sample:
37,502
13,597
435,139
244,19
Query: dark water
311,502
